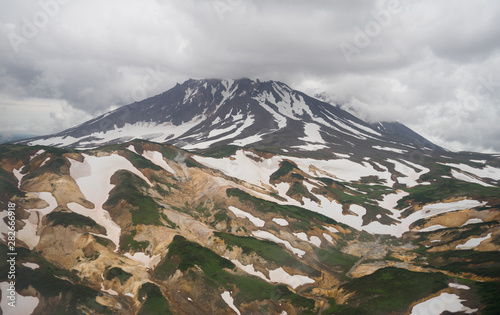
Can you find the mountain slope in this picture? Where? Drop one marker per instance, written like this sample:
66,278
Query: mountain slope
142,224
252,198
200,114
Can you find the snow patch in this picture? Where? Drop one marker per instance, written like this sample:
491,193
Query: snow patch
473,221
329,238
485,172
312,240
433,228
226,296
331,229
157,158
281,276
312,133
458,286
473,242
281,222
278,275
242,214
31,265
389,149
439,304
468,178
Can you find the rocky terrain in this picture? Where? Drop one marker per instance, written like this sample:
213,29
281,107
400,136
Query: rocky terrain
142,227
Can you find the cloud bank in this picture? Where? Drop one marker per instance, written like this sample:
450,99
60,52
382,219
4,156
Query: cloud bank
430,65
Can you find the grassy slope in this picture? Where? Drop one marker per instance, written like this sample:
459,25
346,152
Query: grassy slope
184,255
267,250
390,289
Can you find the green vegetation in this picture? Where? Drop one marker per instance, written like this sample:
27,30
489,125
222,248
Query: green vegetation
298,189
127,243
489,293
336,259
118,273
462,233
220,152
155,302
167,220
103,241
486,264
17,152
169,152
57,165
190,254
183,254
334,308
74,219
139,161
391,290
304,216
285,168
220,216
211,215
146,210
267,250
8,188
445,189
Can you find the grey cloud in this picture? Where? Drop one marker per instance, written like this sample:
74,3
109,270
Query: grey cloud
418,67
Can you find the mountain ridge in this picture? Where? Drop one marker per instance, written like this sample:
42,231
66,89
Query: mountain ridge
199,114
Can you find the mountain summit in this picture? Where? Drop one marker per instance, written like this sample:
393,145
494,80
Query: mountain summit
199,114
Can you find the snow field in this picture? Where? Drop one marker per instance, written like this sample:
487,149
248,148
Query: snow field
439,304
28,234
93,177
411,176
257,173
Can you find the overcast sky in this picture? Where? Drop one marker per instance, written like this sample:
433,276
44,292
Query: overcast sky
432,65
